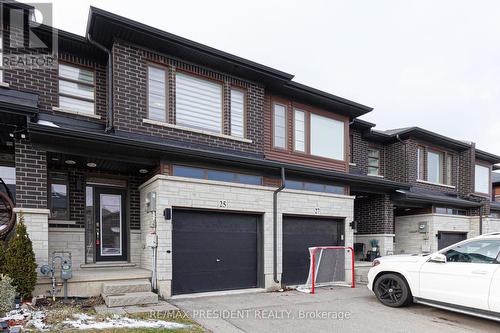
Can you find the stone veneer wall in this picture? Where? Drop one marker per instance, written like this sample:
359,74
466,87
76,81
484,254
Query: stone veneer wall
183,192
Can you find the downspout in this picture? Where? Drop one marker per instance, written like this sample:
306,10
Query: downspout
275,226
405,159
481,220
109,78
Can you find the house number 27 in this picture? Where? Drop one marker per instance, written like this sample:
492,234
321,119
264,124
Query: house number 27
316,211
222,203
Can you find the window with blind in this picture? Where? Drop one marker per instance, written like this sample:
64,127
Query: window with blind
373,161
237,113
299,127
157,93
198,103
76,89
279,125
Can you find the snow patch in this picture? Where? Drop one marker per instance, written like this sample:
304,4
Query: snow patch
86,322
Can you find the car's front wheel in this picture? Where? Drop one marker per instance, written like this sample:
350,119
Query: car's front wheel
392,290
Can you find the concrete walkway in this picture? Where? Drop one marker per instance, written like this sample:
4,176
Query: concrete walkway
330,310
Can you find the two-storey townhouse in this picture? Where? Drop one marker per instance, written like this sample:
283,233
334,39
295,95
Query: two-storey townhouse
449,198
149,156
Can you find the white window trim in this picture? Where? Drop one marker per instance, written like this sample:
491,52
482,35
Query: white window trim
432,183
194,130
84,114
489,180
165,82
343,159
244,116
274,126
304,129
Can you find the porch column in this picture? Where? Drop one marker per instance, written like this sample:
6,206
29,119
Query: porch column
31,196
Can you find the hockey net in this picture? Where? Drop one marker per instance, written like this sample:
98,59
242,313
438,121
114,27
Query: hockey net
330,266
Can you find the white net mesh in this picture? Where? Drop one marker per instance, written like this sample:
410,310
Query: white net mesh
329,266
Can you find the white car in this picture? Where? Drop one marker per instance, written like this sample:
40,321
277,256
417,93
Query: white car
464,277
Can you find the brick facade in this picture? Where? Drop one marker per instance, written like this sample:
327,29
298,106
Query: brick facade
31,176
130,96
374,214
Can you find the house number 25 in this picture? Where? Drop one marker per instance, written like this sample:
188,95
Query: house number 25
222,203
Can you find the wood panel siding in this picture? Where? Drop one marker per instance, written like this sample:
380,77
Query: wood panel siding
289,155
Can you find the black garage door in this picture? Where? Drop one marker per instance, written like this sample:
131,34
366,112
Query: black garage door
446,239
214,250
300,233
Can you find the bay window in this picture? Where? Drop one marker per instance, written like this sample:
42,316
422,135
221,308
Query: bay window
435,167
237,113
481,179
327,137
279,124
76,89
198,103
299,128
157,93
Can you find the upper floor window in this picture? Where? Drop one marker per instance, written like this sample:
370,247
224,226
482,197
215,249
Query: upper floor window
58,197
327,137
198,103
157,93
76,89
434,166
299,130
374,161
237,113
218,175
279,123
482,179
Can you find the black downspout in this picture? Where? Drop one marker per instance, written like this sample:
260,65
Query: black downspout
481,220
109,78
275,226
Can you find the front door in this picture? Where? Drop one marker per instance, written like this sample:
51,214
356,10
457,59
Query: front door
111,226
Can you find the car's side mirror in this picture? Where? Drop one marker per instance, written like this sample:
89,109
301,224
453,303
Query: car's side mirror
438,258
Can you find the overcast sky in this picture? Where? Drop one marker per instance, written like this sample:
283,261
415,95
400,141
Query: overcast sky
433,64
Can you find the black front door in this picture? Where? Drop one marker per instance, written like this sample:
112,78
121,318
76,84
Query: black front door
111,225
446,239
214,250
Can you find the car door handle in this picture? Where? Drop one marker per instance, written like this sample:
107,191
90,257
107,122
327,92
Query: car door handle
480,272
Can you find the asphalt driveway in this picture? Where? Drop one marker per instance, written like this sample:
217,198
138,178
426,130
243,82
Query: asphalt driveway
330,310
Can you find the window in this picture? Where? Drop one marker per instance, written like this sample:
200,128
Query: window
76,89
59,199
279,126
435,167
237,113
1,56
299,128
479,251
373,161
157,93
448,169
420,163
482,179
218,175
315,187
327,137
450,211
8,175
198,103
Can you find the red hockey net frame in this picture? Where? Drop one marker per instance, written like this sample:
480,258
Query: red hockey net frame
313,263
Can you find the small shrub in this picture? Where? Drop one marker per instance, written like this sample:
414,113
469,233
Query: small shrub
20,262
7,294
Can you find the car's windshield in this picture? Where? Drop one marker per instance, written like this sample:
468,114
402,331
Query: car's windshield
478,251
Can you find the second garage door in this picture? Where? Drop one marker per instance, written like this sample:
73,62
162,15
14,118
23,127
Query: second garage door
214,250
300,233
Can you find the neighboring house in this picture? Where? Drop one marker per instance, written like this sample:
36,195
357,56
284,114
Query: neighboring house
449,198
148,155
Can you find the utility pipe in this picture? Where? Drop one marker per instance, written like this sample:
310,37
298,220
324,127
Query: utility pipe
275,225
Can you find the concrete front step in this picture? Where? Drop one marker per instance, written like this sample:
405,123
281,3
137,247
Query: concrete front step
139,298
125,286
